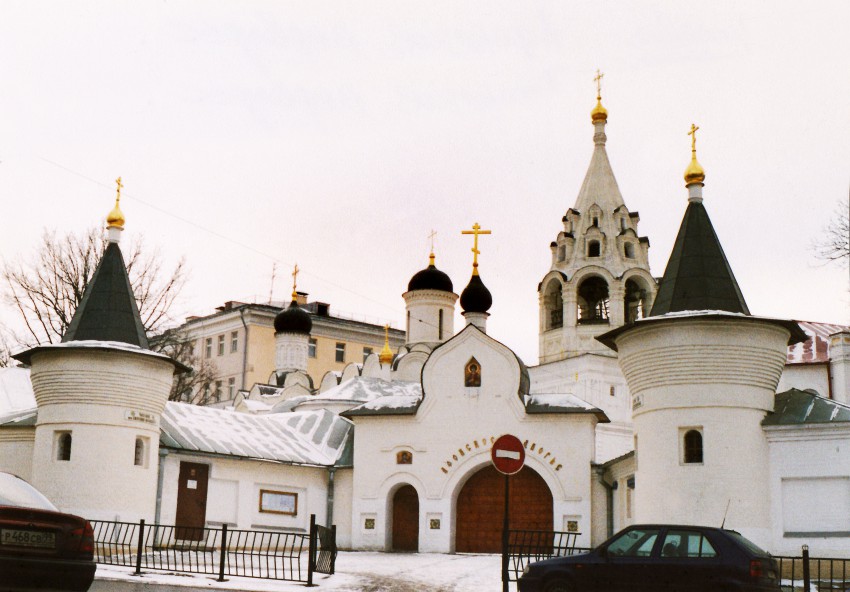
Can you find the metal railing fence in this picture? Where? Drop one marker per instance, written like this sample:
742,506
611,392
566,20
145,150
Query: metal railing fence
217,551
807,574
527,546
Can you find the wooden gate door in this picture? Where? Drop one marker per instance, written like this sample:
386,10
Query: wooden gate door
192,501
406,519
481,507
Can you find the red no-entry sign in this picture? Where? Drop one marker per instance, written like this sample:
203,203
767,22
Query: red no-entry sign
508,454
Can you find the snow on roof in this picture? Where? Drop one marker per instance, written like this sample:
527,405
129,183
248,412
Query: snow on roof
316,437
94,344
796,407
561,403
363,389
816,348
15,390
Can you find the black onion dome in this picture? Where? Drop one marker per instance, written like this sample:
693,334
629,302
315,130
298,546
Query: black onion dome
293,319
430,278
475,296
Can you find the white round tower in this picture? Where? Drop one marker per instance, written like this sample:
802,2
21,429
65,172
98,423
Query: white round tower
292,328
100,394
702,374
430,303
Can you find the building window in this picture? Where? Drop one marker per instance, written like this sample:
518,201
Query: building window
472,373
340,352
234,341
692,446
440,326
140,453
208,347
63,445
191,347
217,393
221,345
231,387
367,351
612,391
593,249
311,348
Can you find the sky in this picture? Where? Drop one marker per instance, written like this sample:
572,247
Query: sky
337,135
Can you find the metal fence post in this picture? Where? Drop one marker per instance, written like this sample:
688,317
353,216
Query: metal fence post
141,544
333,563
807,581
311,553
223,553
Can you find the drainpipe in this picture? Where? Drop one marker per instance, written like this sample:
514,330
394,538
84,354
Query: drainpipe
609,501
160,478
245,348
330,510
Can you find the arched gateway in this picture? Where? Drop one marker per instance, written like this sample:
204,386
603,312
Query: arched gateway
481,507
405,519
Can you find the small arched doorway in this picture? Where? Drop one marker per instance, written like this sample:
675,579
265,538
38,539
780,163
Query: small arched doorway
405,519
481,507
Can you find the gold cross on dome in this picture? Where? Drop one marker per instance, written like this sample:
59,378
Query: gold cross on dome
476,230
693,135
431,237
598,80
120,185
294,279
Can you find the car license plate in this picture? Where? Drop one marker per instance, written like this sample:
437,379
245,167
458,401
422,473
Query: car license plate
27,538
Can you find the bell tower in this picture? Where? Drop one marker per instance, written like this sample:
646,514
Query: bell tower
599,278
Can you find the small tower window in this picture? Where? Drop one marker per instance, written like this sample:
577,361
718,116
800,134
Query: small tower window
593,249
472,373
629,249
140,454
63,446
693,447
595,221
440,326
562,252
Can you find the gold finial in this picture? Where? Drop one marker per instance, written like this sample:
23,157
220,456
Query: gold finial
386,355
431,256
476,230
115,218
694,173
295,282
599,112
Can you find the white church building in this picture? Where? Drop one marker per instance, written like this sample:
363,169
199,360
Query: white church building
653,401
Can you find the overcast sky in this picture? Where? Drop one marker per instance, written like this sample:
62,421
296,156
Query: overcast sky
338,134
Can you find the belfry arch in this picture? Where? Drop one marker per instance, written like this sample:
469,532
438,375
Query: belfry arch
593,300
637,299
480,508
553,305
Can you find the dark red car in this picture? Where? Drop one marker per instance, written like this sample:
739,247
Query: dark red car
40,547
660,558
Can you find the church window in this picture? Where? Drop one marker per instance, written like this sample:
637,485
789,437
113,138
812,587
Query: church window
405,457
612,391
593,249
692,447
311,347
63,445
553,305
440,326
629,250
636,304
221,345
367,351
340,352
231,387
234,341
208,347
562,252
472,373
595,221
593,301
623,223
140,453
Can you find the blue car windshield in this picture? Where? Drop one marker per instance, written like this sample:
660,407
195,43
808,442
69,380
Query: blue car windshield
14,491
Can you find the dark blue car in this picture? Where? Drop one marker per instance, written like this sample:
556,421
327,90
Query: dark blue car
660,558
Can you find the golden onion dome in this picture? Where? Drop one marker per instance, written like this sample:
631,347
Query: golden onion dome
599,112
694,173
386,355
115,217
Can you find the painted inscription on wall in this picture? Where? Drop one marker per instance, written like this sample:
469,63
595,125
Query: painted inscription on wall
487,443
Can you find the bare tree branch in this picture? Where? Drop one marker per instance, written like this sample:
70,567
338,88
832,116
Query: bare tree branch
834,245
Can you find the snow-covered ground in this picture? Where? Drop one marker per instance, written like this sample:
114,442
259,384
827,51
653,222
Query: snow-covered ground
355,571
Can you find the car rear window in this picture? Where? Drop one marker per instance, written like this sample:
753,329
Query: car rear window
747,544
14,491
